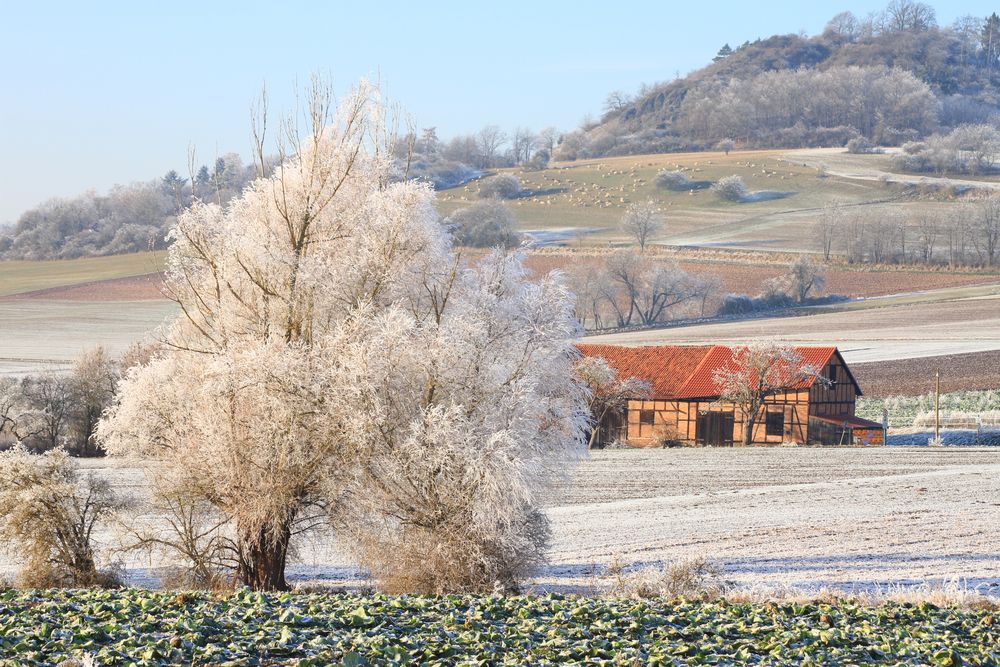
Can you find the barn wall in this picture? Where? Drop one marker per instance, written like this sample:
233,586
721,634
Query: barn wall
837,400
677,419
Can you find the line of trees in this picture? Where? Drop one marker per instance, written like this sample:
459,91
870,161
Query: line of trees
963,235
882,104
129,218
60,410
968,149
630,289
137,216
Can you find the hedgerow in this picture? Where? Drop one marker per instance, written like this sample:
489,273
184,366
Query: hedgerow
246,628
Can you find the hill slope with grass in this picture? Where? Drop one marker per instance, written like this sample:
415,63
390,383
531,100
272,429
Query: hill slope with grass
581,203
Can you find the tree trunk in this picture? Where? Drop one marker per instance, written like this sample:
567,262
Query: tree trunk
748,423
262,560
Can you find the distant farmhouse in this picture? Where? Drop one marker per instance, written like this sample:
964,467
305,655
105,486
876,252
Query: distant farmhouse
683,406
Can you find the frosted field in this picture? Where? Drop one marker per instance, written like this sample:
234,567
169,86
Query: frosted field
37,335
906,326
852,519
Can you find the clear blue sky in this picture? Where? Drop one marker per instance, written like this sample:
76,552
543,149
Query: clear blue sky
97,93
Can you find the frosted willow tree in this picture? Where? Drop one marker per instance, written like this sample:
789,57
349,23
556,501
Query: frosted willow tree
334,361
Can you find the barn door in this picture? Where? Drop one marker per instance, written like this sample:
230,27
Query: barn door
715,429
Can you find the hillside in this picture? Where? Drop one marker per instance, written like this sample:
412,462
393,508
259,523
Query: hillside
581,203
892,77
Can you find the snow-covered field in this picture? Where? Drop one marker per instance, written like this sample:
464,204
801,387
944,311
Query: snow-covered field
844,518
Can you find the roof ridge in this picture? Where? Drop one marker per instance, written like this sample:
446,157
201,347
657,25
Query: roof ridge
683,390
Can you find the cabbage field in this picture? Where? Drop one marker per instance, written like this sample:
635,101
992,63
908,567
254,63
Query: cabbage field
140,627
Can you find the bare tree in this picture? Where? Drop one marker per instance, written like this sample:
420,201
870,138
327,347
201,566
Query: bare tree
957,233
908,16
489,140
14,410
928,231
844,25
547,139
50,395
616,101
522,145
643,221
986,238
804,277
755,372
826,229
609,393
643,291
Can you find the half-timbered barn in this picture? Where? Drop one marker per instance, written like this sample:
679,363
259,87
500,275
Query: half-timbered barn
683,406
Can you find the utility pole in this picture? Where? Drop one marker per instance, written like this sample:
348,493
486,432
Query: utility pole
937,406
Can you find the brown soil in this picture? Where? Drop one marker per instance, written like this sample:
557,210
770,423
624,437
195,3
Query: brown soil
911,377
146,287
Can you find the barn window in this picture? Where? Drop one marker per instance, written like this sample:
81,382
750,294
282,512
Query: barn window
775,423
646,417
832,374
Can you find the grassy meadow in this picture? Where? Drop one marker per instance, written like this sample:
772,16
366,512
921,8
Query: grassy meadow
18,277
591,195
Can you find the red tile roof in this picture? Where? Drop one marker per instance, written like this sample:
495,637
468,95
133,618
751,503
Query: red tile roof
679,371
701,384
664,367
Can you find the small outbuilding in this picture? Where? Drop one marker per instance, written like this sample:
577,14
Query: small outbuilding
684,407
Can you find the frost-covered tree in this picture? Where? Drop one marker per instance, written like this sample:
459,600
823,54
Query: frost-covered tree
609,393
643,221
334,360
485,224
755,372
501,186
673,180
48,513
731,188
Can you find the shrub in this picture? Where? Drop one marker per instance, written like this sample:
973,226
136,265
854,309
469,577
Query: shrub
736,304
914,147
49,513
690,579
861,146
731,188
673,180
441,558
501,186
725,146
485,224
